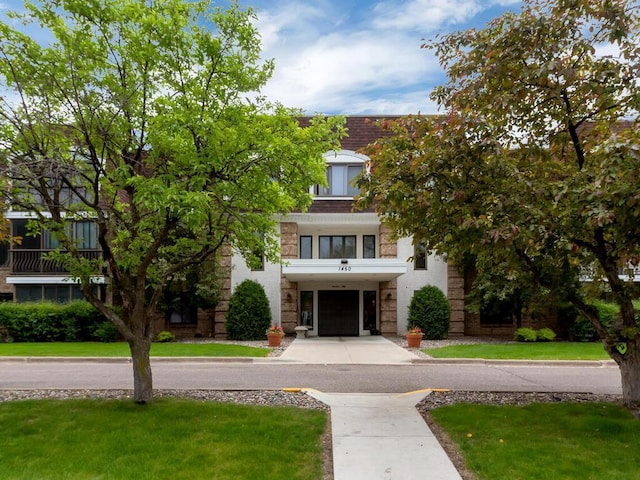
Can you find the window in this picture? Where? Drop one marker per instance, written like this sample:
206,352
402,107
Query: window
306,309
369,319
341,181
54,293
338,246
183,315
306,245
86,235
369,246
419,257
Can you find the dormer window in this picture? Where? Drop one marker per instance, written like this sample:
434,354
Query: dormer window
342,169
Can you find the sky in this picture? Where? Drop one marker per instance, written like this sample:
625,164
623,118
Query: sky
356,57
361,57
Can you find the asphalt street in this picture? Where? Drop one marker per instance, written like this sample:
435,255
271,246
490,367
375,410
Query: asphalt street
327,378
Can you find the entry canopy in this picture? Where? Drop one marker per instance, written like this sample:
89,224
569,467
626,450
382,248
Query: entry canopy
350,269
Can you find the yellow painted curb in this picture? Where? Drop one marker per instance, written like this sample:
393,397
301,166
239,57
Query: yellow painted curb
298,389
423,390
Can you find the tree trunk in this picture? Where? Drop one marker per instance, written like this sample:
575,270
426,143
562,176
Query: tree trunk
142,378
630,375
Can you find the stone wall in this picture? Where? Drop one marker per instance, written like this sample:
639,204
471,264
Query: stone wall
288,290
388,290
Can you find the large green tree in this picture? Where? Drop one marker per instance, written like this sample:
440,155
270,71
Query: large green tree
534,165
145,118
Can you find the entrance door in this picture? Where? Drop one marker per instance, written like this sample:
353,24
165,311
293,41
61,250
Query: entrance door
338,313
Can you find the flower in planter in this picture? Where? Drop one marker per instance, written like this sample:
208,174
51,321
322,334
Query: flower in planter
275,329
414,330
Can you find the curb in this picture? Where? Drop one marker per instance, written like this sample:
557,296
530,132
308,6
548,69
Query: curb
515,363
276,360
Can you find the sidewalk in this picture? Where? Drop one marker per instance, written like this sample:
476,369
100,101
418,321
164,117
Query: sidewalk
373,350
383,437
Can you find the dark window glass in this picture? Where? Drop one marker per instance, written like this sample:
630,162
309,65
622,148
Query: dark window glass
28,293
338,246
306,309
306,247
370,317
56,293
26,241
86,235
369,246
419,257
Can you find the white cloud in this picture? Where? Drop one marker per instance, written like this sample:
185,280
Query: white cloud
354,56
424,15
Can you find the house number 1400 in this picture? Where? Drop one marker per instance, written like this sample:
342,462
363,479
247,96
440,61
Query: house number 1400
344,268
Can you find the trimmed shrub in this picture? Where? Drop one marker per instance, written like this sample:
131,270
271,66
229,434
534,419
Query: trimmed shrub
50,322
106,332
165,337
545,335
249,314
430,310
525,335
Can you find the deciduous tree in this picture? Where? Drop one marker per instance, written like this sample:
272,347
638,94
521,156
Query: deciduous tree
534,165
145,118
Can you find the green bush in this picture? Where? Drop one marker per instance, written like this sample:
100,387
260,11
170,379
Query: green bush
106,332
165,337
249,314
525,335
50,322
545,335
430,310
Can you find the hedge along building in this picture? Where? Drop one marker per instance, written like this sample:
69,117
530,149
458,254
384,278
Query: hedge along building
342,273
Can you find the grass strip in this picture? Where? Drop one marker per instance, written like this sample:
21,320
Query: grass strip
523,351
170,439
121,349
545,441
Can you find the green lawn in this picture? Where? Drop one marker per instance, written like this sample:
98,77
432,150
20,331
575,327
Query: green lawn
121,349
545,441
170,439
524,351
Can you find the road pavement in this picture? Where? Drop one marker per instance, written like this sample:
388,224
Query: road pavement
327,378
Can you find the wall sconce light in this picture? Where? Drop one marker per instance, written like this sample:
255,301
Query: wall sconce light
389,295
289,296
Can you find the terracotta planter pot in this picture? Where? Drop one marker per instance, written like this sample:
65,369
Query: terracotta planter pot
274,339
414,339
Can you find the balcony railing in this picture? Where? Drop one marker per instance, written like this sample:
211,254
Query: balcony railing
35,261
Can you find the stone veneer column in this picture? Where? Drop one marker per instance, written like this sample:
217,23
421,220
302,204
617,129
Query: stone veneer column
288,290
388,290
455,294
220,313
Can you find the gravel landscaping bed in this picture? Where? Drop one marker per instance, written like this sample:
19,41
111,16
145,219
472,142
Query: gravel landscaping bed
247,397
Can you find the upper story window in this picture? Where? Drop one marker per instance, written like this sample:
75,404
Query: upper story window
343,167
338,246
419,257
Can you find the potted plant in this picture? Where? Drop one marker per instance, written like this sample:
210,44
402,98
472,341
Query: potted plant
414,336
274,335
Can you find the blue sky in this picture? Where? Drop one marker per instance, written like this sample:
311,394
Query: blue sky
357,57
361,56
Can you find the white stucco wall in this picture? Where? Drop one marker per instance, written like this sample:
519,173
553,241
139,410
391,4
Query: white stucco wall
269,278
435,274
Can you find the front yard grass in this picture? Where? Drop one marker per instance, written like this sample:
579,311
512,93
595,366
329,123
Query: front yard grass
121,349
170,439
524,351
590,441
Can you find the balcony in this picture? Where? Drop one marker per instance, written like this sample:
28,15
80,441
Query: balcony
31,261
629,273
352,269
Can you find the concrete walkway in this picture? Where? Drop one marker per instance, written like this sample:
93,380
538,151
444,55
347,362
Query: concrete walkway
383,437
372,350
